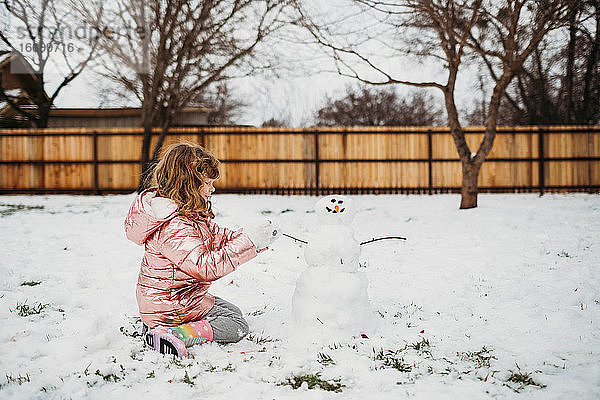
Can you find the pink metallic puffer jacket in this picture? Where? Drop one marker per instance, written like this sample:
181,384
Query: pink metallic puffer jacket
181,260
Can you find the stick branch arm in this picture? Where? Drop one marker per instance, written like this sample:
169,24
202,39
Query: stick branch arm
383,238
366,242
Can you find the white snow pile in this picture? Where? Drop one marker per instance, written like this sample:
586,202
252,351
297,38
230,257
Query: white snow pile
501,301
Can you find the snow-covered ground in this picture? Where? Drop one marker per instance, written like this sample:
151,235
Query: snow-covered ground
499,301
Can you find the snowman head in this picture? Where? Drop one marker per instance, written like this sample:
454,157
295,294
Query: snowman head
335,210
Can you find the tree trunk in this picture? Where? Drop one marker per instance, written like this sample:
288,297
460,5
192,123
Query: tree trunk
147,123
148,162
570,67
473,162
163,134
590,107
469,189
469,182
43,115
145,161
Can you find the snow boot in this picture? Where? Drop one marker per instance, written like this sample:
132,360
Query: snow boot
196,332
162,340
175,339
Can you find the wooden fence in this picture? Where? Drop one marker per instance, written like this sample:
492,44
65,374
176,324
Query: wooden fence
308,160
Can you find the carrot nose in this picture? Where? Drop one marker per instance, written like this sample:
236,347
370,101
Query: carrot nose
337,208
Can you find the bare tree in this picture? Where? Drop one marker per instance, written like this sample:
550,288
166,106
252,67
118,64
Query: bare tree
501,34
40,34
225,106
560,83
274,122
169,52
379,107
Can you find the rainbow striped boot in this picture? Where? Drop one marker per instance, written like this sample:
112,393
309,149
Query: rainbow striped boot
196,332
175,339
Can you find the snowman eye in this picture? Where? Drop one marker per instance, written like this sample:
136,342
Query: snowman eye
340,202
333,200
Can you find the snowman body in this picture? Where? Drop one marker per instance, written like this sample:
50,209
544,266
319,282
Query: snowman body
332,292
334,247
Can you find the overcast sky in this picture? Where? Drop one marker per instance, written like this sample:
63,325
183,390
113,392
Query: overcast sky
299,90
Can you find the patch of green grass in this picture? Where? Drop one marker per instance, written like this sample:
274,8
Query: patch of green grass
187,379
421,346
134,328
111,376
126,332
31,283
46,389
10,209
257,312
325,359
151,374
229,368
25,310
18,379
480,359
260,339
313,381
176,361
213,368
335,346
519,380
563,253
391,359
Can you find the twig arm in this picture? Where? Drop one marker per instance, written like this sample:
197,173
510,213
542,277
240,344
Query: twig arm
383,238
296,239
367,242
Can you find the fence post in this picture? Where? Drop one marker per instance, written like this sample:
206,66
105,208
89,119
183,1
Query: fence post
541,175
43,144
201,134
430,161
317,172
590,153
95,163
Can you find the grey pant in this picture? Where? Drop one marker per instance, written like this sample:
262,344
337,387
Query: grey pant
227,322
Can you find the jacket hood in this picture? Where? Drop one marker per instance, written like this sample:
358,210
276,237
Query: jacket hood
147,213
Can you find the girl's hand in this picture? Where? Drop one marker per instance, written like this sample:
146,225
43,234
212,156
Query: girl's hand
261,250
264,234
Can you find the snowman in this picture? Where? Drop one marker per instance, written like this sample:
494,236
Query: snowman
332,292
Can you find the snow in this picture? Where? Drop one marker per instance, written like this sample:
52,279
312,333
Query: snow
336,301
501,301
333,246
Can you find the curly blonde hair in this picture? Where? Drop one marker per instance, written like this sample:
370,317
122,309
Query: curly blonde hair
181,173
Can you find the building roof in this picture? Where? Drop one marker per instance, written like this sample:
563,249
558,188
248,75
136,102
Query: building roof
112,112
17,73
21,84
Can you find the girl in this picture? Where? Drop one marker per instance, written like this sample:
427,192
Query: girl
185,251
